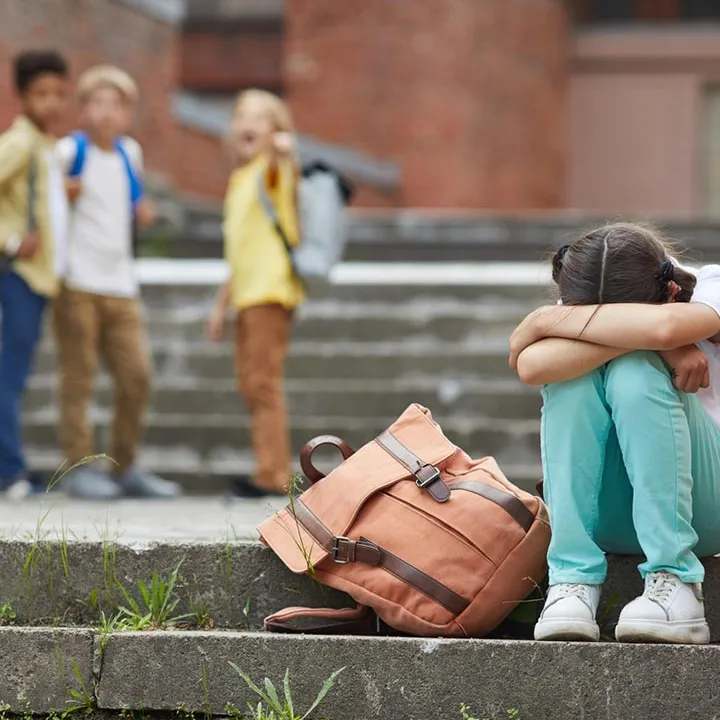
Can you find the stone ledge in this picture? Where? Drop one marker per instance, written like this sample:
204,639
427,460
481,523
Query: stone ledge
42,666
414,679
236,583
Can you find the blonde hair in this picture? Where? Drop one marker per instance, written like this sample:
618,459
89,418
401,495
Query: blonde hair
107,76
276,108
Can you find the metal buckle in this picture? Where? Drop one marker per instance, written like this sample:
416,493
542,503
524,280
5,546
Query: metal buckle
423,482
336,549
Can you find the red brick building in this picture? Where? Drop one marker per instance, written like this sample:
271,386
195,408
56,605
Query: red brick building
601,105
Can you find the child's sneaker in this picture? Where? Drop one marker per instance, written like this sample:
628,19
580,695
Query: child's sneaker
89,483
22,488
569,613
669,611
136,482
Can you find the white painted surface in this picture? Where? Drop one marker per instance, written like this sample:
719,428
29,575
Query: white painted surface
203,272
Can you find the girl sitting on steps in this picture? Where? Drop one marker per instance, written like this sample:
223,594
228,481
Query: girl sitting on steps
630,440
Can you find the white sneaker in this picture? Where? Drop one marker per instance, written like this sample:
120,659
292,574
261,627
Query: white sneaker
669,611
21,489
569,613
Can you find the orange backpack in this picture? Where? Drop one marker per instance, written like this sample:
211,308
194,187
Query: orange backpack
434,542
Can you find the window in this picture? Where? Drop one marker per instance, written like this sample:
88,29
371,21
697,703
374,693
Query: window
630,11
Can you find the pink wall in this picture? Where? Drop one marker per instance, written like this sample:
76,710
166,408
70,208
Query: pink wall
634,143
636,121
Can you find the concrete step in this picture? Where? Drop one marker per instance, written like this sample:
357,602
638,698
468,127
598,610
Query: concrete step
479,356
219,576
198,474
446,320
390,677
511,441
500,398
389,283
438,236
211,474
409,678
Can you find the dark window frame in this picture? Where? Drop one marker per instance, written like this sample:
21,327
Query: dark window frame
590,12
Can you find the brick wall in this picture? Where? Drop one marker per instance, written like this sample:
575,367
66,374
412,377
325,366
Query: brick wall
468,95
93,31
223,56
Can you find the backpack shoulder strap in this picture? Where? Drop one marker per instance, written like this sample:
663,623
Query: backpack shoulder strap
81,147
271,212
136,185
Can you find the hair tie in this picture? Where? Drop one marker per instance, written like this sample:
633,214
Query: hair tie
561,253
667,271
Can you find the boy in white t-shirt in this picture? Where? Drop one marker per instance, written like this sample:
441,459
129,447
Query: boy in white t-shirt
98,313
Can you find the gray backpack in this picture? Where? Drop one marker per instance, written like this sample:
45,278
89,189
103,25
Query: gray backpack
323,195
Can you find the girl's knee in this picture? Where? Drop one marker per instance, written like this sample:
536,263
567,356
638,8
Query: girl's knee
634,377
573,391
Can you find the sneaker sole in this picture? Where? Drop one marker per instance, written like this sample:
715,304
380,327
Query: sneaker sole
677,633
567,629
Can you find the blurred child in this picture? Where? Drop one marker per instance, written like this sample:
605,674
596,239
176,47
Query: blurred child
262,289
33,221
98,313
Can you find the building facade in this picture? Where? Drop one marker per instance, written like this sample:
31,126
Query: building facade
603,106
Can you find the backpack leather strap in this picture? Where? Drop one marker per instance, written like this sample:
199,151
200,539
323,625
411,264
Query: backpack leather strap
343,550
310,471
359,620
426,476
512,505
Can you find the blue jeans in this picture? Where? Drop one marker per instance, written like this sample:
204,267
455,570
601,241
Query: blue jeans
22,314
631,466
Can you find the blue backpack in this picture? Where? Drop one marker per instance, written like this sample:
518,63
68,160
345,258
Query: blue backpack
82,143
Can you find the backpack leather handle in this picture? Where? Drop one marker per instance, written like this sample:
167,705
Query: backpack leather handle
310,471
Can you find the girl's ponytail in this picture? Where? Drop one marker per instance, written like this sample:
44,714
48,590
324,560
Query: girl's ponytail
557,262
686,281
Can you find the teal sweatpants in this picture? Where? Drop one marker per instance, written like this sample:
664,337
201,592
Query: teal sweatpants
631,466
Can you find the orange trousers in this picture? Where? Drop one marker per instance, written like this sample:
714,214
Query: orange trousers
88,328
262,338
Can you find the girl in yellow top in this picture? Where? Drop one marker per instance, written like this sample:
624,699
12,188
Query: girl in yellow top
262,289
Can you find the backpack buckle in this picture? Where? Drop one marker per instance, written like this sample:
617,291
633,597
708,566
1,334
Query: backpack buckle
426,475
340,543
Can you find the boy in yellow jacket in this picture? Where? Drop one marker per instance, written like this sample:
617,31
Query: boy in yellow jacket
263,289
33,223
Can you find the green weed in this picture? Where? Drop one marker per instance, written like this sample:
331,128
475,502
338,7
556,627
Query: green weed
111,583
606,632
246,610
294,489
7,614
158,604
64,551
82,700
109,625
271,707
206,690
66,469
466,714
200,614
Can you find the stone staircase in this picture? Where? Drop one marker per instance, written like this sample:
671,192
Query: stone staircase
381,337
402,323
72,657
420,312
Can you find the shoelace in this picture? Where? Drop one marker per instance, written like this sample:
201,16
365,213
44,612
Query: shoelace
571,590
659,587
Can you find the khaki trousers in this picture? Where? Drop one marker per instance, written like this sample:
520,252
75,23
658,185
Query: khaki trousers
262,337
90,327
